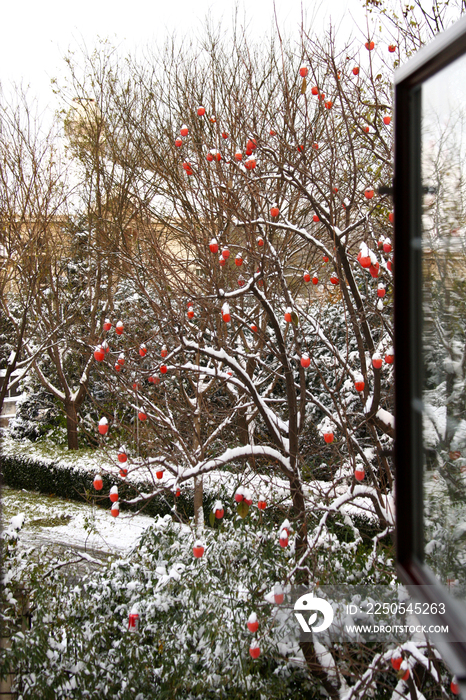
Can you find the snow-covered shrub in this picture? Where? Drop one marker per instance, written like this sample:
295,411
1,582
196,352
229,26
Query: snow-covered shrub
193,641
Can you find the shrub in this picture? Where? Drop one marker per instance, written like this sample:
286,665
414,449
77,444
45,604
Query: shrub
193,640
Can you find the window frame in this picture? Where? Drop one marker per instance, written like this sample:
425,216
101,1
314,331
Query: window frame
408,449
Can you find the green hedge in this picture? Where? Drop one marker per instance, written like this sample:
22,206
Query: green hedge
71,482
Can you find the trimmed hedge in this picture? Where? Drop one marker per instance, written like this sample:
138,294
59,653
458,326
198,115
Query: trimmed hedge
70,482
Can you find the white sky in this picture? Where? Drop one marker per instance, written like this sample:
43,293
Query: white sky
36,35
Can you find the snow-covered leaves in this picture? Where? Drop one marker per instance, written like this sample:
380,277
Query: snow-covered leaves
188,607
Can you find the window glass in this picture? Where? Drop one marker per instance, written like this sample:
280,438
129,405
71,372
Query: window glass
443,166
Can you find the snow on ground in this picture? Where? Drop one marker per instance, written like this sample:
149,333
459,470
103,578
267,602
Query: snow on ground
95,529
55,521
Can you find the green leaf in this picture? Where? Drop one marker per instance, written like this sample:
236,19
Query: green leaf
211,519
243,509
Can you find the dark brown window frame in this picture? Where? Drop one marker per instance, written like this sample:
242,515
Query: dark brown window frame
412,570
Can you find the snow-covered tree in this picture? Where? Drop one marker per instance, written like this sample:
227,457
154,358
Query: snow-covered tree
264,266
31,194
299,199
77,253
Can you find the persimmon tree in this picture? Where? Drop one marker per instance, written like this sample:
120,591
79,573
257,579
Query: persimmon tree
413,25
285,180
265,262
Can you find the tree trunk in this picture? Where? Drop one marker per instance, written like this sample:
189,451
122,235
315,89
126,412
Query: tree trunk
198,480
71,425
242,426
299,508
4,386
12,366
198,503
